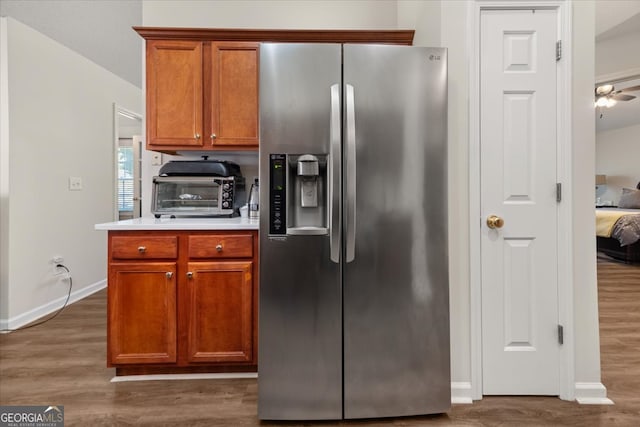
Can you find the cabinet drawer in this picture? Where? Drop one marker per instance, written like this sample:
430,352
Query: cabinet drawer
144,247
221,246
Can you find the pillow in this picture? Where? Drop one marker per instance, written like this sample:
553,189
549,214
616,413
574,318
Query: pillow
630,199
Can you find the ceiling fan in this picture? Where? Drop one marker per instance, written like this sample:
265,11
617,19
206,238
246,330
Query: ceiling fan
608,96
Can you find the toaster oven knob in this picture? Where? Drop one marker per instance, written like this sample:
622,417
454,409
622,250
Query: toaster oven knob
225,204
225,187
225,195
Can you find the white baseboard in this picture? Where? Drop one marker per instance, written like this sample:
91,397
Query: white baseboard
461,393
592,394
51,307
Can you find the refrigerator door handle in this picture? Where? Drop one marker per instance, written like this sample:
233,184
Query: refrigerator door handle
350,174
334,175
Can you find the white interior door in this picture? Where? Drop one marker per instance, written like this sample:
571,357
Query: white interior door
520,348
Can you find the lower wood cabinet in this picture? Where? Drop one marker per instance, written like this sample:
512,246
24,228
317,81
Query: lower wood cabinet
142,312
182,301
220,311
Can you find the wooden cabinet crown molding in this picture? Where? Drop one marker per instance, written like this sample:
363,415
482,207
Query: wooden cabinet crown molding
400,37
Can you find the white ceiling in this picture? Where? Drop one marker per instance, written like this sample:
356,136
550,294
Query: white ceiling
628,26
612,13
100,30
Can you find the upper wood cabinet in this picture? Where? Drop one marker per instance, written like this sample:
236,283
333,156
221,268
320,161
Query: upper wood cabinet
174,94
202,95
202,83
234,94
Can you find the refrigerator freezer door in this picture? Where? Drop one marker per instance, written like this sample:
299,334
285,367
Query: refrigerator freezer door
300,337
395,291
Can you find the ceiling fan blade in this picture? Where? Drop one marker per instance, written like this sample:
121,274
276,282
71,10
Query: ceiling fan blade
630,89
622,97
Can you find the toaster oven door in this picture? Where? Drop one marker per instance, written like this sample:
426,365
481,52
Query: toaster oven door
189,196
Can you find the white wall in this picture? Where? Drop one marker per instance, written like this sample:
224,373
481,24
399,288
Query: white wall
586,330
618,54
438,24
59,108
424,18
618,157
611,13
308,14
454,37
4,172
97,29
317,14
446,24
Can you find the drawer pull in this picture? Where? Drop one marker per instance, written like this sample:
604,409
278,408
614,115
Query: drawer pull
169,274
142,249
190,275
219,247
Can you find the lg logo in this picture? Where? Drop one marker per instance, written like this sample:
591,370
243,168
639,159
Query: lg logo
434,57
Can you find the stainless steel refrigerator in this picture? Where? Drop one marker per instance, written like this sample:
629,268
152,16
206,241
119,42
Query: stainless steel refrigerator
354,293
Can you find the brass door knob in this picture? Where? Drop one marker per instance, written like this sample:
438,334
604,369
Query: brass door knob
494,221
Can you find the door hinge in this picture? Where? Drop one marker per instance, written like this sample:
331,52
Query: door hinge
558,50
560,334
558,192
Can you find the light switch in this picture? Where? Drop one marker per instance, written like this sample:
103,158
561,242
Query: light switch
75,183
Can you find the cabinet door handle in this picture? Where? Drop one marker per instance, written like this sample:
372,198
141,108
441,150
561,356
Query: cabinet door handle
169,274
219,247
142,249
197,136
190,274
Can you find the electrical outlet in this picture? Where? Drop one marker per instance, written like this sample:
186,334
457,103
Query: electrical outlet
75,183
55,260
156,159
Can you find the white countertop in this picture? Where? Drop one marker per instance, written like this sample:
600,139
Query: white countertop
152,223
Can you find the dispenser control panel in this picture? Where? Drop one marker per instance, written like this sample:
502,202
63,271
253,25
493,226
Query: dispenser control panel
278,194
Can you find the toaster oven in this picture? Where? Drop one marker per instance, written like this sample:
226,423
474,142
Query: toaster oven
196,189
195,196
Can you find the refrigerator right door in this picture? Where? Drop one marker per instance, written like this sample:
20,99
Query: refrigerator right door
396,284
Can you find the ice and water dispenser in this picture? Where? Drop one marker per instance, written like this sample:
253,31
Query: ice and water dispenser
298,194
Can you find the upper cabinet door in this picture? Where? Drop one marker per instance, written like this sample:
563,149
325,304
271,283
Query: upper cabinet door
174,94
234,94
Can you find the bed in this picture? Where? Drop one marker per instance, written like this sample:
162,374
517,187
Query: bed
618,229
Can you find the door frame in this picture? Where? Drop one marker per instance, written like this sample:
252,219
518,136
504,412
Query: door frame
566,360
117,112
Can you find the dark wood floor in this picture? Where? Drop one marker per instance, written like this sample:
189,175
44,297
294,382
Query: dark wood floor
63,362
